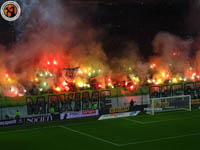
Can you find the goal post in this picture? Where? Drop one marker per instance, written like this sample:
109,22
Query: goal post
172,103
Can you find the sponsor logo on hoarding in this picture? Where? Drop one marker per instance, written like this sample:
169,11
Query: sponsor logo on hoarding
8,122
195,101
38,119
30,120
84,112
80,114
119,115
154,109
119,109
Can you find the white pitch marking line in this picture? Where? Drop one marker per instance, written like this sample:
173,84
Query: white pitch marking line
31,129
81,123
24,130
136,121
91,136
164,120
160,139
148,122
183,118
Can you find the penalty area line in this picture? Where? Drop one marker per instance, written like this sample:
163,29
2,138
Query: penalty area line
158,121
90,136
160,139
136,121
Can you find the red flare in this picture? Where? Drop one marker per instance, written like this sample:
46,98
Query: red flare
174,53
55,62
58,89
67,88
64,83
6,75
99,85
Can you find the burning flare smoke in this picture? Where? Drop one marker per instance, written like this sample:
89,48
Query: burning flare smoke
50,38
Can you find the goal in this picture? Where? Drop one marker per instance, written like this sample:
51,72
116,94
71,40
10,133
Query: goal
172,103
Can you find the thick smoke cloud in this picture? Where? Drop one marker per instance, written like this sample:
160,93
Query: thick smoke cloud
49,31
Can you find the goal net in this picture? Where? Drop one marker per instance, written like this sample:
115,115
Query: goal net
172,103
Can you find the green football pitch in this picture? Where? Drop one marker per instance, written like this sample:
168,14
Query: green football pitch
176,130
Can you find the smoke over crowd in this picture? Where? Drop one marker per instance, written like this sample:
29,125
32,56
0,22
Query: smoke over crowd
57,51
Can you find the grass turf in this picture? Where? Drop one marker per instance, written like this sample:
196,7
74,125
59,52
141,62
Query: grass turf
164,131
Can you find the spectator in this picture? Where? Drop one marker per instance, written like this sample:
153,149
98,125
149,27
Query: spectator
52,111
94,106
131,105
17,116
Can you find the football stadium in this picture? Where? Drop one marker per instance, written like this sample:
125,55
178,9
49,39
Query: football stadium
116,75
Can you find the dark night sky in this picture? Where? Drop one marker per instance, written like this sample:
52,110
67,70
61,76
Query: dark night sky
141,22
127,21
